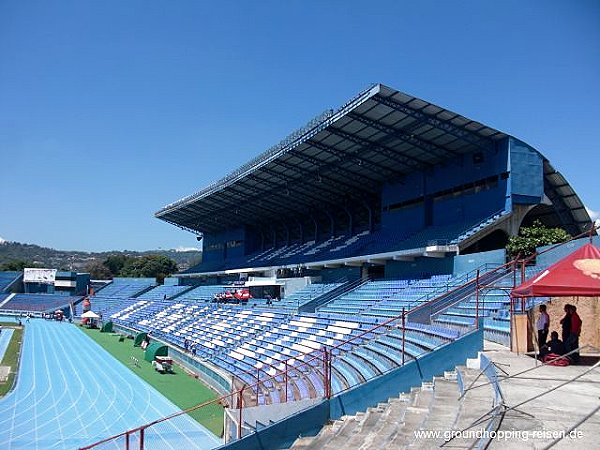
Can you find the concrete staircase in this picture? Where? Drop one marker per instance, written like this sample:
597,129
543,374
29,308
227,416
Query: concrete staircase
434,408
6,300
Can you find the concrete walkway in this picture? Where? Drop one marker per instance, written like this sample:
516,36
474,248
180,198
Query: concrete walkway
537,423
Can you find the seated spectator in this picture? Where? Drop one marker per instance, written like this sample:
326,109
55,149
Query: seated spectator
554,346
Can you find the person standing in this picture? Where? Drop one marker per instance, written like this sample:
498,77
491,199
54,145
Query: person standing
573,340
543,325
566,323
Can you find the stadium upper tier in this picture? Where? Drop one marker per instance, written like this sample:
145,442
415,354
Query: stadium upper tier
8,278
385,172
379,135
126,287
37,302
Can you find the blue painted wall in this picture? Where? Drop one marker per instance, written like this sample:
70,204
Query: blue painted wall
526,173
81,284
38,288
431,196
419,268
171,281
469,207
466,263
216,247
554,255
334,275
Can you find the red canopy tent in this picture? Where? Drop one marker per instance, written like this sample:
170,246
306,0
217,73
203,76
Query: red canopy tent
577,274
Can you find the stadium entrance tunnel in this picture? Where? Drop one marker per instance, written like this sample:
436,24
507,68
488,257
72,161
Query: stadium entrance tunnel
496,240
546,214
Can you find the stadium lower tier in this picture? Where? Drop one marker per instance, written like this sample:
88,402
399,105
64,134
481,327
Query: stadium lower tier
262,345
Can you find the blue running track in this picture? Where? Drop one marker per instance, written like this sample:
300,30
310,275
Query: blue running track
70,392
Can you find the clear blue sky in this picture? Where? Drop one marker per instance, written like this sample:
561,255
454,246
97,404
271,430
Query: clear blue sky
111,109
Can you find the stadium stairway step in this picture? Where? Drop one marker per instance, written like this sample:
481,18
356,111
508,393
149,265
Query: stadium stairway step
442,413
355,428
475,404
392,425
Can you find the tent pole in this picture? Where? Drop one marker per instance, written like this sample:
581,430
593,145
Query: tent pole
512,313
477,301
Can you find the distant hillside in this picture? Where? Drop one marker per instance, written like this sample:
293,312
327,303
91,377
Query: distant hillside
78,261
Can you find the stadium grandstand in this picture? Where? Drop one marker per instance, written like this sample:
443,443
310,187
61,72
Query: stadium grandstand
370,247
369,238
388,185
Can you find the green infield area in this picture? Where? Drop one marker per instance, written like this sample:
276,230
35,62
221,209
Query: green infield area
182,389
11,357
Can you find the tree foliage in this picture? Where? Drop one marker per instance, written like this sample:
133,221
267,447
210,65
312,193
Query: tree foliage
157,266
98,271
115,263
16,265
37,256
534,236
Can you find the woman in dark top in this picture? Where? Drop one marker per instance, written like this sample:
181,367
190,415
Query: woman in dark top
566,323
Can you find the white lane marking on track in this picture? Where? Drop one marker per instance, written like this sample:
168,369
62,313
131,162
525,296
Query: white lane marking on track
149,403
94,384
75,391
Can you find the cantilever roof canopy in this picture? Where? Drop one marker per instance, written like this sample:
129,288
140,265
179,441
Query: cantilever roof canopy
568,211
380,135
575,274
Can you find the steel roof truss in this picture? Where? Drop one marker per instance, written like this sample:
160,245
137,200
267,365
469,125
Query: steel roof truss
460,133
426,146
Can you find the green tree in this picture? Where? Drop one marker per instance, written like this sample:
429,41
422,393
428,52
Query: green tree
16,265
98,271
115,263
157,266
534,236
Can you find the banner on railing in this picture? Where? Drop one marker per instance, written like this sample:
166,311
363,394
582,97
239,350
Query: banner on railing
46,276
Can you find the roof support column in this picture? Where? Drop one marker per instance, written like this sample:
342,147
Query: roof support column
350,221
332,222
370,211
299,223
316,227
287,233
274,231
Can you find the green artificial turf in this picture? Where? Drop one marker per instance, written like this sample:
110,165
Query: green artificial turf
11,357
182,389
